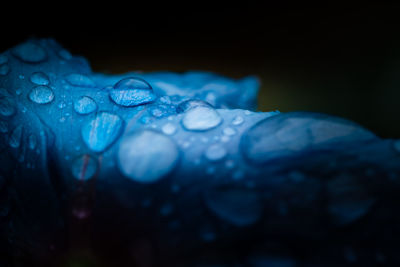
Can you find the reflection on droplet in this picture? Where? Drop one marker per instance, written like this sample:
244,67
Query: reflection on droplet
100,132
191,103
130,92
169,128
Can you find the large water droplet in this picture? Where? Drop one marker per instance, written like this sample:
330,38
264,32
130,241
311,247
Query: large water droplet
191,103
240,207
85,105
7,107
201,118
132,92
215,152
15,137
147,156
169,128
100,132
39,78
29,52
76,79
4,69
41,94
84,167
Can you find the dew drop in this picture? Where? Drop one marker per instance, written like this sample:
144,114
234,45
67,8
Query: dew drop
100,132
147,156
39,78
229,131
85,105
169,129
130,92
201,119
29,52
84,167
3,59
41,94
215,152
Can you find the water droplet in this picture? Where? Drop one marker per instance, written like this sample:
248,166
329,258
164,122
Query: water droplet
238,175
85,105
39,78
80,80
29,52
100,132
229,131
21,76
201,118
4,69
84,167
18,91
7,107
132,92
191,103
62,105
41,94
247,112
166,209
147,156
215,152
169,129
3,59
240,207
15,137
32,141
3,127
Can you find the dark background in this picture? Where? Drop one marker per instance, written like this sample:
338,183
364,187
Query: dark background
343,60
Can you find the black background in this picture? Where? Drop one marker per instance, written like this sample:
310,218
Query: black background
339,59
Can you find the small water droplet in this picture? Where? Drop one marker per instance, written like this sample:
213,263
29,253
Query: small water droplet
80,80
229,131
169,129
84,167
201,119
85,105
215,152
41,94
39,78
15,137
21,76
4,69
62,105
29,52
130,92
18,91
